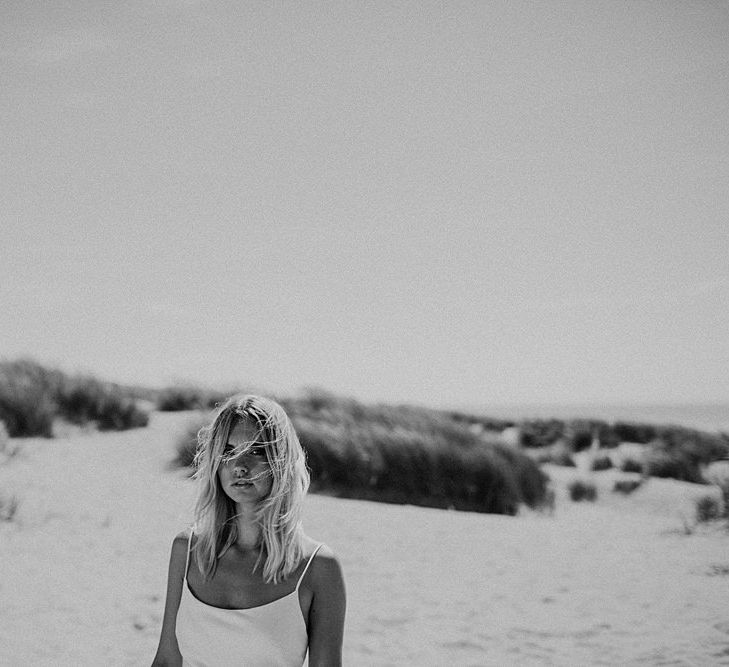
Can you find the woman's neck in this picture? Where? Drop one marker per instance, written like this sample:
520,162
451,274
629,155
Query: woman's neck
249,531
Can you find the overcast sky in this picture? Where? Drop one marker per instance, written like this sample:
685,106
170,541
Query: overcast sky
434,202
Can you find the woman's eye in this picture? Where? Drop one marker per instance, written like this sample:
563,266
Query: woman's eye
258,451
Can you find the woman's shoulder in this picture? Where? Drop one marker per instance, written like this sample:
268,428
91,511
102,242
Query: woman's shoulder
319,550
181,541
183,536
323,562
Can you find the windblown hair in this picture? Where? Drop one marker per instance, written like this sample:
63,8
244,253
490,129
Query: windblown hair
279,514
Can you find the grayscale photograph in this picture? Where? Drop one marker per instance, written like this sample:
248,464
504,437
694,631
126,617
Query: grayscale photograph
366,333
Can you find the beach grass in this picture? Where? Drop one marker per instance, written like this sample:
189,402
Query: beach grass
580,490
34,397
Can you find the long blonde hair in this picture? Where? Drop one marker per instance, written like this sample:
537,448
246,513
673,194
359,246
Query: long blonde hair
278,515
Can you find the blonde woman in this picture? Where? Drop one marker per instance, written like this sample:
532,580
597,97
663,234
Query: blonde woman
246,586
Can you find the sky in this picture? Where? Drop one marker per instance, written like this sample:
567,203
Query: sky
443,203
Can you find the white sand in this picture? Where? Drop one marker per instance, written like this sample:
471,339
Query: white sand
83,568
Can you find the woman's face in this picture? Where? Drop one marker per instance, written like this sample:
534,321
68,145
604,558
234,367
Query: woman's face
246,478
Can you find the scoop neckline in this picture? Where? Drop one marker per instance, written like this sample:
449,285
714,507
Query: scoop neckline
258,606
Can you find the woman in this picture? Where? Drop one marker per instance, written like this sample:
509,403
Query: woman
247,586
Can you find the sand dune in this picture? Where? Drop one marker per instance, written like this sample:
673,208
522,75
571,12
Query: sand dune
616,583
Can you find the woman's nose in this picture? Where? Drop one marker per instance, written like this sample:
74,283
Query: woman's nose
240,469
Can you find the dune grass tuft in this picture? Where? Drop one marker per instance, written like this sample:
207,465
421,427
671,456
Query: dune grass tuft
187,397
405,454
601,463
708,508
582,490
27,398
629,464
627,486
84,399
33,397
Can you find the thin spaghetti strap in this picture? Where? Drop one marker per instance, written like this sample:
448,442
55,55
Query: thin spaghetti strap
311,558
187,560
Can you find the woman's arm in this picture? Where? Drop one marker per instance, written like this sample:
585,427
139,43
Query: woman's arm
326,613
168,653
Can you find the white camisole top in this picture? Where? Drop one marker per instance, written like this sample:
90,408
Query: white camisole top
270,635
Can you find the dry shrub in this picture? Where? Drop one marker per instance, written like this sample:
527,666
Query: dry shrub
187,397
377,462
32,397
540,432
708,508
627,486
582,490
601,463
630,464
634,432
673,464
83,399
27,398
682,453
